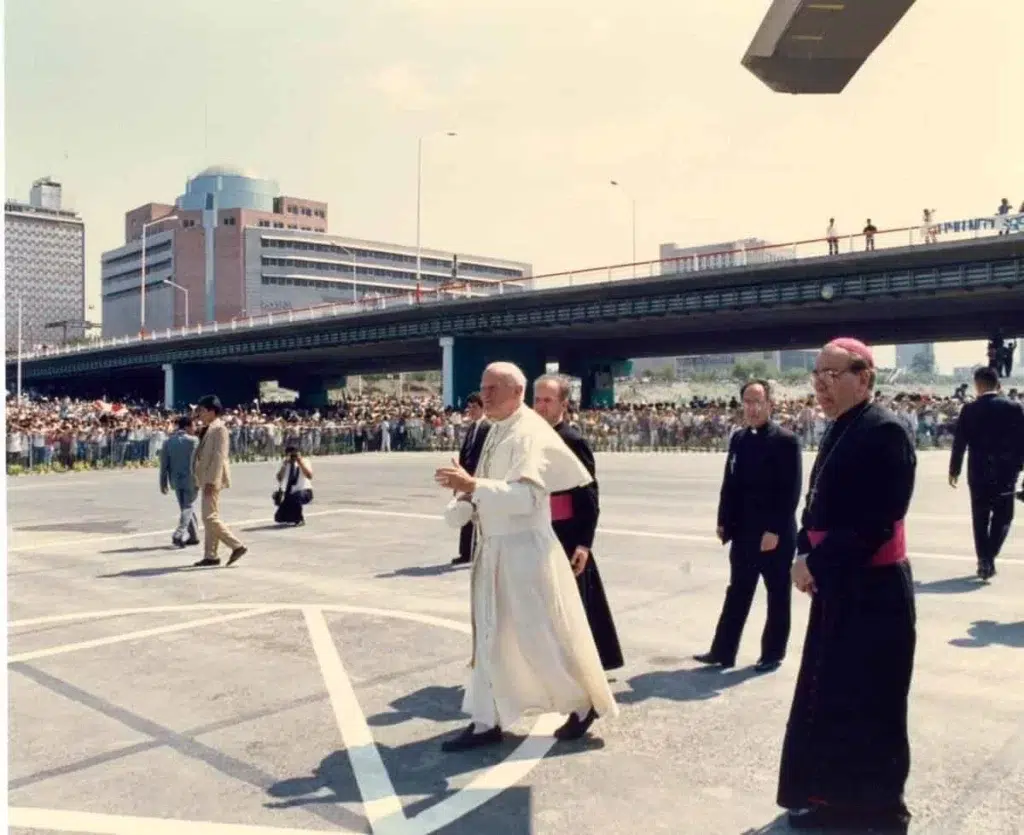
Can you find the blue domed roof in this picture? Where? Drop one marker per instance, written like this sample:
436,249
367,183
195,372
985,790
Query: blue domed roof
226,171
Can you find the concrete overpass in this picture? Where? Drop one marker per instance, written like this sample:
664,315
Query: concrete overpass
959,290
818,46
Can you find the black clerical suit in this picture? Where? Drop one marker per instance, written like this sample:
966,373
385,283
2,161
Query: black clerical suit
760,493
992,429
469,457
578,530
846,753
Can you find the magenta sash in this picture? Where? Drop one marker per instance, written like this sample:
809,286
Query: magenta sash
561,507
893,551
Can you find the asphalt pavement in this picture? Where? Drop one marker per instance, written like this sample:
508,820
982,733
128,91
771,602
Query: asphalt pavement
308,687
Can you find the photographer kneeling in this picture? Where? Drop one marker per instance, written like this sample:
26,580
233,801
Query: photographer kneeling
295,476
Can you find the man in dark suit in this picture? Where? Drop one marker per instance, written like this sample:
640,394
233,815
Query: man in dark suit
992,428
757,515
469,457
574,515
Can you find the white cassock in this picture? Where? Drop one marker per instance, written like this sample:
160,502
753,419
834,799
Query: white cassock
533,651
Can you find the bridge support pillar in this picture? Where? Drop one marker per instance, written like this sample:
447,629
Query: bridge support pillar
597,379
448,371
184,384
168,400
314,391
469,356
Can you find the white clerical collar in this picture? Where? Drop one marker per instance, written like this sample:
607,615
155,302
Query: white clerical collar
511,417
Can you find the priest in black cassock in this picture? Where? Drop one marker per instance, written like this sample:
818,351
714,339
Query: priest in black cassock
469,457
846,755
757,515
574,516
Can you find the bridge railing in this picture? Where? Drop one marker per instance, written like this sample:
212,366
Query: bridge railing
702,264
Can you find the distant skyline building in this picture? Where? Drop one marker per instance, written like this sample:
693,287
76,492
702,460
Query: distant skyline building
745,252
44,251
234,247
920,353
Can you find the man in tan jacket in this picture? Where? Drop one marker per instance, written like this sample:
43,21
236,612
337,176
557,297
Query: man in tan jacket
212,474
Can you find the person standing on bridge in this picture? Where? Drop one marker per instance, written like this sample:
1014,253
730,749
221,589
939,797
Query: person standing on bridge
574,515
757,514
532,647
846,754
992,428
213,474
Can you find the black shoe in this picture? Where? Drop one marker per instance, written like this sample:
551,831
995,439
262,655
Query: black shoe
206,561
237,554
767,665
575,727
191,542
986,569
827,819
460,561
177,543
712,660
468,740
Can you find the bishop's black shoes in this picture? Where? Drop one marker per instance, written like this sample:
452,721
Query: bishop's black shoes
767,665
574,727
986,569
468,739
713,660
895,821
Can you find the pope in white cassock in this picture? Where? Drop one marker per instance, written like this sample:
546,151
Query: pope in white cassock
533,651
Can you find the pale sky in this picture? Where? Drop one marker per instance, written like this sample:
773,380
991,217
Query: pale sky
122,100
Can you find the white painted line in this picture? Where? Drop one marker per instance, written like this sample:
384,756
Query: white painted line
341,608
116,613
398,514
25,817
483,784
380,801
132,636
488,783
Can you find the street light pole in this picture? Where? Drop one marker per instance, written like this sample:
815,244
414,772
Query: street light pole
183,290
419,200
142,285
632,201
19,350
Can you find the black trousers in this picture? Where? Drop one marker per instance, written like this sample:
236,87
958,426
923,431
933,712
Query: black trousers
746,565
466,541
991,515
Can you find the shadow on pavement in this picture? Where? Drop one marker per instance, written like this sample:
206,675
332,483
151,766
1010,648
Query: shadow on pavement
951,585
422,571
683,685
436,703
421,770
985,633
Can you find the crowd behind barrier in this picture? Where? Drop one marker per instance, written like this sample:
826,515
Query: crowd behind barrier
56,435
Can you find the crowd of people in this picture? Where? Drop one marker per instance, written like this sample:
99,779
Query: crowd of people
64,434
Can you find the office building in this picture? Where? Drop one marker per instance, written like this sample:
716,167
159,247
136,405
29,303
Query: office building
44,249
916,357
747,252
233,247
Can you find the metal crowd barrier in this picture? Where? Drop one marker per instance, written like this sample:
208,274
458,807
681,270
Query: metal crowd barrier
34,453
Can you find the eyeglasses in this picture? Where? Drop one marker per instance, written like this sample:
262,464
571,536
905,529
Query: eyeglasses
830,375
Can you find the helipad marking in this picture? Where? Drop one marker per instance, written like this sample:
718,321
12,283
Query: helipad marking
26,817
132,636
482,784
434,517
380,800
